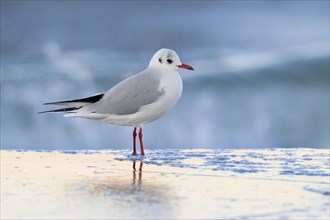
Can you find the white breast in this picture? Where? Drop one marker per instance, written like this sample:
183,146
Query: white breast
171,84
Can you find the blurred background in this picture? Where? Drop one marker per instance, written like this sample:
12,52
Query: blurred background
261,74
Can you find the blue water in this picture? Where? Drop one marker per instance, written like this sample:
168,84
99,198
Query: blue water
261,74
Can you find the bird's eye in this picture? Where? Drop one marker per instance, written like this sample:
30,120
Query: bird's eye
169,61
160,60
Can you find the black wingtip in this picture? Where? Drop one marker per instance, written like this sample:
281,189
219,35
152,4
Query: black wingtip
52,103
91,99
66,110
47,111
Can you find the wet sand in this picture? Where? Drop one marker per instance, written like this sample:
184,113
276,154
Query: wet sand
112,185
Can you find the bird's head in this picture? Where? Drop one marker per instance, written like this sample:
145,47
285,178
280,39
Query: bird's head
167,58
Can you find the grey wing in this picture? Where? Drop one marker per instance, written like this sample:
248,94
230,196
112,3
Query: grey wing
128,96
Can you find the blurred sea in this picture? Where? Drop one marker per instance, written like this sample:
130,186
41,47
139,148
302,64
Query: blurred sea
261,74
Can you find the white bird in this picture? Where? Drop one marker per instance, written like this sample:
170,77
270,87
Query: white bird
135,101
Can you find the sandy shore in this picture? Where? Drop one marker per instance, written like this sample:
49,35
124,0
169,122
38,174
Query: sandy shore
110,184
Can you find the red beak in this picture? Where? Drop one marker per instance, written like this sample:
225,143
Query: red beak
185,66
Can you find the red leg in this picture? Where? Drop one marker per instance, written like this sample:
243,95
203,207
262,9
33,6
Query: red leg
134,141
141,141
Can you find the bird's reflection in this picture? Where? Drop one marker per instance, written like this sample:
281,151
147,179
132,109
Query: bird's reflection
140,167
115,188
130,188
137,180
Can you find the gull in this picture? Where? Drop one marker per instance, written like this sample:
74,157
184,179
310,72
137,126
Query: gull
135,101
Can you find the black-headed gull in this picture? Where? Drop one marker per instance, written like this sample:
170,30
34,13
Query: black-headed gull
137,100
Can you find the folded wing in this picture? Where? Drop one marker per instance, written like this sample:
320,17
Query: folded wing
128,96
